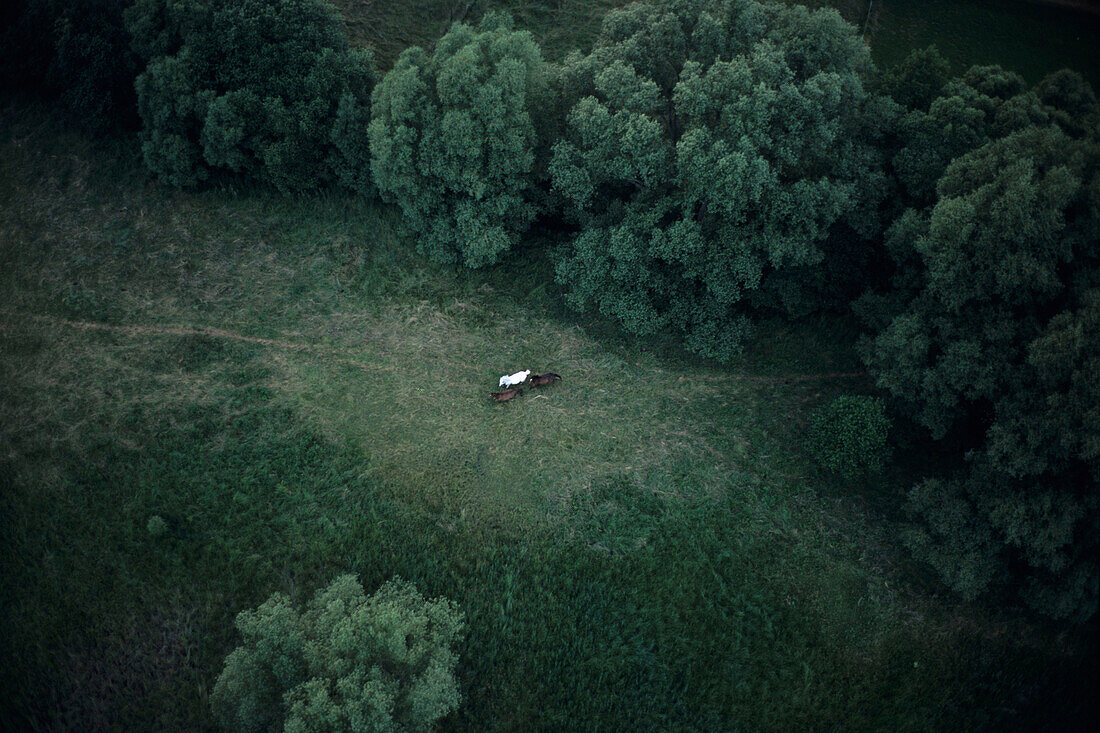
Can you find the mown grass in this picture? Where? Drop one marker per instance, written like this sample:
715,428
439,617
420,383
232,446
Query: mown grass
640,546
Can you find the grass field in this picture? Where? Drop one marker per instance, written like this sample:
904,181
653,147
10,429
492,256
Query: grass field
643,545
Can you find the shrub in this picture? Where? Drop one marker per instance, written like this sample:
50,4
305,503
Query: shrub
454,136
156,526
848,436
348,662
267,88
711,150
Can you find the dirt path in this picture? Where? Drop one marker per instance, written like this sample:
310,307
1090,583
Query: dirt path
801,377
186,331
333,353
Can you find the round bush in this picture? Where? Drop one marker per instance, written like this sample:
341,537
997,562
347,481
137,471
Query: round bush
156,526
848,436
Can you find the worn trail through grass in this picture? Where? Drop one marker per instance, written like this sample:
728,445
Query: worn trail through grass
334,354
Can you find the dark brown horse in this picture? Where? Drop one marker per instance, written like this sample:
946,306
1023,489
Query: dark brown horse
537,380
506,395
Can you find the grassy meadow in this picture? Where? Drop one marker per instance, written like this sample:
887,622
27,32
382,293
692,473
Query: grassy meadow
643,545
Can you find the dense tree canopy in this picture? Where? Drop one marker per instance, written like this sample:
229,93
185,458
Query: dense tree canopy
710,152
985,103
261,87
988,336
349,662
454,139
74,51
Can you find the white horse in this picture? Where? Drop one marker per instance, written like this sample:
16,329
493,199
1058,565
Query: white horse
518,378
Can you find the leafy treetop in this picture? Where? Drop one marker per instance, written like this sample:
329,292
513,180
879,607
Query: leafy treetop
987,337
454,136
348,662
710,146
261,87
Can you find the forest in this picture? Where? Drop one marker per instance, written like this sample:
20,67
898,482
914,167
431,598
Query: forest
813,287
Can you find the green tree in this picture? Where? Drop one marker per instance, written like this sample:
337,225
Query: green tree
988,340
266,88
918,80
76,52
348,662
454,137
711,151
1025,509
947,118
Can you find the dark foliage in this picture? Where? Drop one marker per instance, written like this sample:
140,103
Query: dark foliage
76,52
988,337
265,88
848,436
711,151
918,80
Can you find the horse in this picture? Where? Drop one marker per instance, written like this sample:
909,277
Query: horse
537,380
506,395
518,378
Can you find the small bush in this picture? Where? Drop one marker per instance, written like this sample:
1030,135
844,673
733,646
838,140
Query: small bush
348,662
848,436
156,526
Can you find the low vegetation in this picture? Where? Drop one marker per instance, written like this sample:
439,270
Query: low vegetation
849,435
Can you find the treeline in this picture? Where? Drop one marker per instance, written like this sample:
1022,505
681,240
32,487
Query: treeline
714,163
